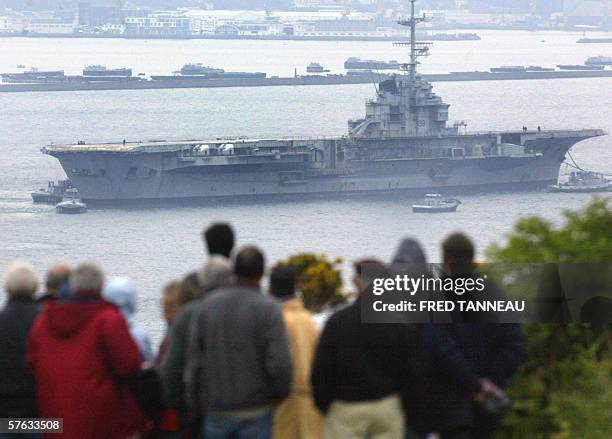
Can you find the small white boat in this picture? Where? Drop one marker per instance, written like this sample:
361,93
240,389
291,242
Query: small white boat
71,203
583,181
435,203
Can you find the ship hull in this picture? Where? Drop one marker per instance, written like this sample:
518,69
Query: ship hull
430,209
168,182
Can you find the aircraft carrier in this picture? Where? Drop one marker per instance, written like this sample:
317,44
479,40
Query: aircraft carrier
403,143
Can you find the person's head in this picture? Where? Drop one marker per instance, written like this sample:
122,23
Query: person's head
56,278
86,279
190,288
458,254
249,265
282,282
409,252
122,292
219,239
216,272
20,280
366,270
171,303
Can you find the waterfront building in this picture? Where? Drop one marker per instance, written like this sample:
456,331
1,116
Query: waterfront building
158,23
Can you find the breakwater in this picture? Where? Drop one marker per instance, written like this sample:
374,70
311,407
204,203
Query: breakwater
190,82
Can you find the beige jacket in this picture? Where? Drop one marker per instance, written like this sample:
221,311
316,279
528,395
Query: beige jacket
297,417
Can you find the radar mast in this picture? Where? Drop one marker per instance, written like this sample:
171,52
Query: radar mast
417,49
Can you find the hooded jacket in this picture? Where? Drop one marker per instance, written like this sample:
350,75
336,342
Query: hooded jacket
79,353
297,417
121,291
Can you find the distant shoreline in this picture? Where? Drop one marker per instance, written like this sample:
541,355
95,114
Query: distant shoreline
455,30
227,37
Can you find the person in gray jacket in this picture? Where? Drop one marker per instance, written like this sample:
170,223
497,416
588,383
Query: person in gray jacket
238,362
217,271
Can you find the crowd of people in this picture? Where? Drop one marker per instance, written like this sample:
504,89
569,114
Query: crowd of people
238,362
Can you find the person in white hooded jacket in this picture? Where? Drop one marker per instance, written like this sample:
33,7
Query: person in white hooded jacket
121,291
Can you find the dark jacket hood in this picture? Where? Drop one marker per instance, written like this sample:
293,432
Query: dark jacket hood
66,319
409,258
409,252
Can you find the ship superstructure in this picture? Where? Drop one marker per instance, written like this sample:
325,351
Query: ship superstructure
403,142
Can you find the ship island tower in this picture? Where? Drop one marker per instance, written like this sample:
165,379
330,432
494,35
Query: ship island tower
405,105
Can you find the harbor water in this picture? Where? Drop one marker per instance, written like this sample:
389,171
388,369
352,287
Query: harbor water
156,244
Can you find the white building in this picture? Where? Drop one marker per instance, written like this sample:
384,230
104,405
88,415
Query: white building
12,22
115,29
348,29
48,26
158,23
204,25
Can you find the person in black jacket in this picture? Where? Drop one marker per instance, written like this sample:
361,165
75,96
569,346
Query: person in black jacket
357,371
439,397
17,391
495,350
362,371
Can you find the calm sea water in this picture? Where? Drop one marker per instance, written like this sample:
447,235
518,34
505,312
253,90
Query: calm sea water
155,245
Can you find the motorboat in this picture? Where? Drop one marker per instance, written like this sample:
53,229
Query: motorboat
71,203
435,203
583,181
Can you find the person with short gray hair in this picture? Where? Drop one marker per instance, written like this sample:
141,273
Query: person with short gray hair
217,271
20,278
86,280
17,386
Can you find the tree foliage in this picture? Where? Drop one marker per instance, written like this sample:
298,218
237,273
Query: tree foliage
564,390
319,280
585,237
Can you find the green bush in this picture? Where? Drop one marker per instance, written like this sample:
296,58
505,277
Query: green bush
319,280
564,390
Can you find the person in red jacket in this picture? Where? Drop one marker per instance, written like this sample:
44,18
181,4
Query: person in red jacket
80,351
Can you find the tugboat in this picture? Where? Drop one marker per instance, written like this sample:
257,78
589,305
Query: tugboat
434,203
71,203
53,194
583,181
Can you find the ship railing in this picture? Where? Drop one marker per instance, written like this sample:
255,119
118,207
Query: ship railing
548,133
